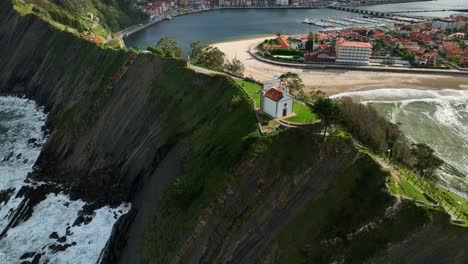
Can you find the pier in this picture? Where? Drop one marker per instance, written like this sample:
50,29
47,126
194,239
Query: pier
388,15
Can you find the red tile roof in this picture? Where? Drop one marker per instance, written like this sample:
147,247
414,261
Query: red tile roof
355,44
283,42
274,94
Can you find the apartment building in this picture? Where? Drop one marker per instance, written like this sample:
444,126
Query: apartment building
353,52
444,24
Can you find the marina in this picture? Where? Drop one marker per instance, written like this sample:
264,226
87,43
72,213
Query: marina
317,23
337,24
337,21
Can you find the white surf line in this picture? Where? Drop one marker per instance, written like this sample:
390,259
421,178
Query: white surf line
49,233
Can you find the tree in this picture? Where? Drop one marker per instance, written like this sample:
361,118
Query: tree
309,45
426,162
293,82
328,111
170,54
155,50
196,49
206,56
235,67
170,47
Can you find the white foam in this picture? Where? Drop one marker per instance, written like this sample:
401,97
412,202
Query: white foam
23,120
438,118
402,95
51,215
449,117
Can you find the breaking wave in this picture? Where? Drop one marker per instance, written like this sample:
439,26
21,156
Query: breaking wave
52,232
438,118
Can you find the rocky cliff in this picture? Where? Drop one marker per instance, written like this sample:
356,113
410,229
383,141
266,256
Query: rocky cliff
184,149
112,114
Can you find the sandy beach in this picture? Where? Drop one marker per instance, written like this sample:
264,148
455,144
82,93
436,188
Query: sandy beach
337,81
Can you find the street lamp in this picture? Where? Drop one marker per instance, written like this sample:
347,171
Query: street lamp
388,156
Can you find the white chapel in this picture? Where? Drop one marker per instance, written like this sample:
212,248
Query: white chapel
275,99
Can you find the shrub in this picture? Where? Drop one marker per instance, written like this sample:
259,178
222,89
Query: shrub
155,50
236,101
65,19
381,135
183,191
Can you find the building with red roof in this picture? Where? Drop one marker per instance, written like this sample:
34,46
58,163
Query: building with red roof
423,37
425,58
408,44
283,42
274,94
275,100
450,48
323,53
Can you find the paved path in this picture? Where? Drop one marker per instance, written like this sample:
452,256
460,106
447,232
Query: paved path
357,68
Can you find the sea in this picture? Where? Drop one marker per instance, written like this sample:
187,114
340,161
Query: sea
50,235
438,118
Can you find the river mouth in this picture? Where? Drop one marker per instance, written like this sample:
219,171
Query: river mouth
38,221
224,25
438,118
227,25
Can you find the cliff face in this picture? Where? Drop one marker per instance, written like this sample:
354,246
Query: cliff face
113,115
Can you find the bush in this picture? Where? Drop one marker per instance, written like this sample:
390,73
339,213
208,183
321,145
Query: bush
207,56
235,67
183,191
236,101
170,48
65,19
381,135
155,50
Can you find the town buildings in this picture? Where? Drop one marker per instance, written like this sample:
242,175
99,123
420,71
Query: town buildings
281,43
450,48
282,2
275,100
425,58
444,24
322,54
353,52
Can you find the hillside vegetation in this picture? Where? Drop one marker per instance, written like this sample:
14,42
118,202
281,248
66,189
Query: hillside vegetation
101,17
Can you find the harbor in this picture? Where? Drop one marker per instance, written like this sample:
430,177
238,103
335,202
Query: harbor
337,24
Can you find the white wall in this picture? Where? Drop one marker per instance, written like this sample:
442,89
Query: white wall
289,104
270,84
269,107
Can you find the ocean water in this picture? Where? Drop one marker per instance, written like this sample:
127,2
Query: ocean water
438,118
21,120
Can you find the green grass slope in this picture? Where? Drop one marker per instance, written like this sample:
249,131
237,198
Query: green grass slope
214,150
96,16
348,222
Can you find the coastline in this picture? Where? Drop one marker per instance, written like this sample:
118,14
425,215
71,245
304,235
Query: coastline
136,28
335,81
